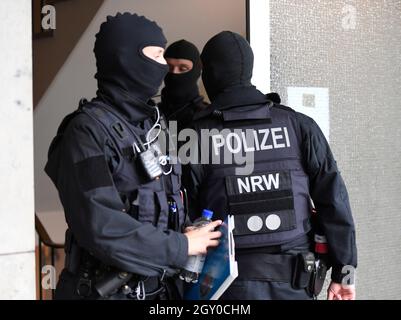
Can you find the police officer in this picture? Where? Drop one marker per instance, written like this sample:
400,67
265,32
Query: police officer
180,98
120,193
291,163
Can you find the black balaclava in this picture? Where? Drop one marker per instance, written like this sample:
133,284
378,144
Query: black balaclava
182,88
127,79
227,60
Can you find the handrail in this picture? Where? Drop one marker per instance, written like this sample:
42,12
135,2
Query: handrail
45,239
44,235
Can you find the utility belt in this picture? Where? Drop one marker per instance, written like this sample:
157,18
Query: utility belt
96,280
300,270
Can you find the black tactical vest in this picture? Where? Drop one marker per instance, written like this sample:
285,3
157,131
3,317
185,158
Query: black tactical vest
271,203
147,201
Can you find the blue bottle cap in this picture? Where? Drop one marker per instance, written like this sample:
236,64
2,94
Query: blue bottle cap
207,214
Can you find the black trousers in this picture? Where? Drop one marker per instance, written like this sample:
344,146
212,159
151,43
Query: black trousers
263,290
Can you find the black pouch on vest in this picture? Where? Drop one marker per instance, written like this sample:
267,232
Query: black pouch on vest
303,270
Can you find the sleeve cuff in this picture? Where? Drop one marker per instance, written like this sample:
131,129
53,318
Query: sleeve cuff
182,251
346,276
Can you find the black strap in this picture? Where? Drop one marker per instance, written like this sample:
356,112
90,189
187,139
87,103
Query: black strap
271,267
125,122
303,242
128,153
296,269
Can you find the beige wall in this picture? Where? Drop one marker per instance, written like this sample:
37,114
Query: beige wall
313,44
17,231
49,54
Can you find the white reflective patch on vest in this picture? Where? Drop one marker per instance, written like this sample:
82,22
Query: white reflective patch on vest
233,142
259,140
273,222
218,142
265,182
255,223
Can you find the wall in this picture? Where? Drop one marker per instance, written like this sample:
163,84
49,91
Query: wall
50,53
17,238
195,20
353,49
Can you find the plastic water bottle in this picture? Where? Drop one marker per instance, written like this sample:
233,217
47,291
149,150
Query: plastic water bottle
195,264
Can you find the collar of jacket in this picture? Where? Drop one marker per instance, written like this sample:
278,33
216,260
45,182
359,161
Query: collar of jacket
234,99
194,105
132,108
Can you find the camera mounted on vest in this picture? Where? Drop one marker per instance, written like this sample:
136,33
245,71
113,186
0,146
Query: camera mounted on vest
145,153
150,164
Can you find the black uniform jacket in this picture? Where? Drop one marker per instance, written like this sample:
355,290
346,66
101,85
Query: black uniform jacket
327,188
81,164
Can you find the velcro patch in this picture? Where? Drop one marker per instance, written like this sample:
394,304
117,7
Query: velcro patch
93,173
245,188
248,224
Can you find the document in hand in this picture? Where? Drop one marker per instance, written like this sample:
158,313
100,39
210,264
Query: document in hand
220,268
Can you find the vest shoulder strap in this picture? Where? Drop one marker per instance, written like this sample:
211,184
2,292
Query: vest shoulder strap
282,107
114,126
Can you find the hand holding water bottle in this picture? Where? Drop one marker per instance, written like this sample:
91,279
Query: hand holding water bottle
200,236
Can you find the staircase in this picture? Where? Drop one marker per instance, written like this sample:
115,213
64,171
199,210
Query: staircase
51,48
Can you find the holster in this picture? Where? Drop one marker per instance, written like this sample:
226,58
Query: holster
319,276
309,273
303,271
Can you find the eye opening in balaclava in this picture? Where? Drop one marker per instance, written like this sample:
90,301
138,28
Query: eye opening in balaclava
121,64
227,60
142,53
183,87
179,63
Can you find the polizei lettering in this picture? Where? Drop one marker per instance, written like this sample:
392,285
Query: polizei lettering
265,182
259,140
